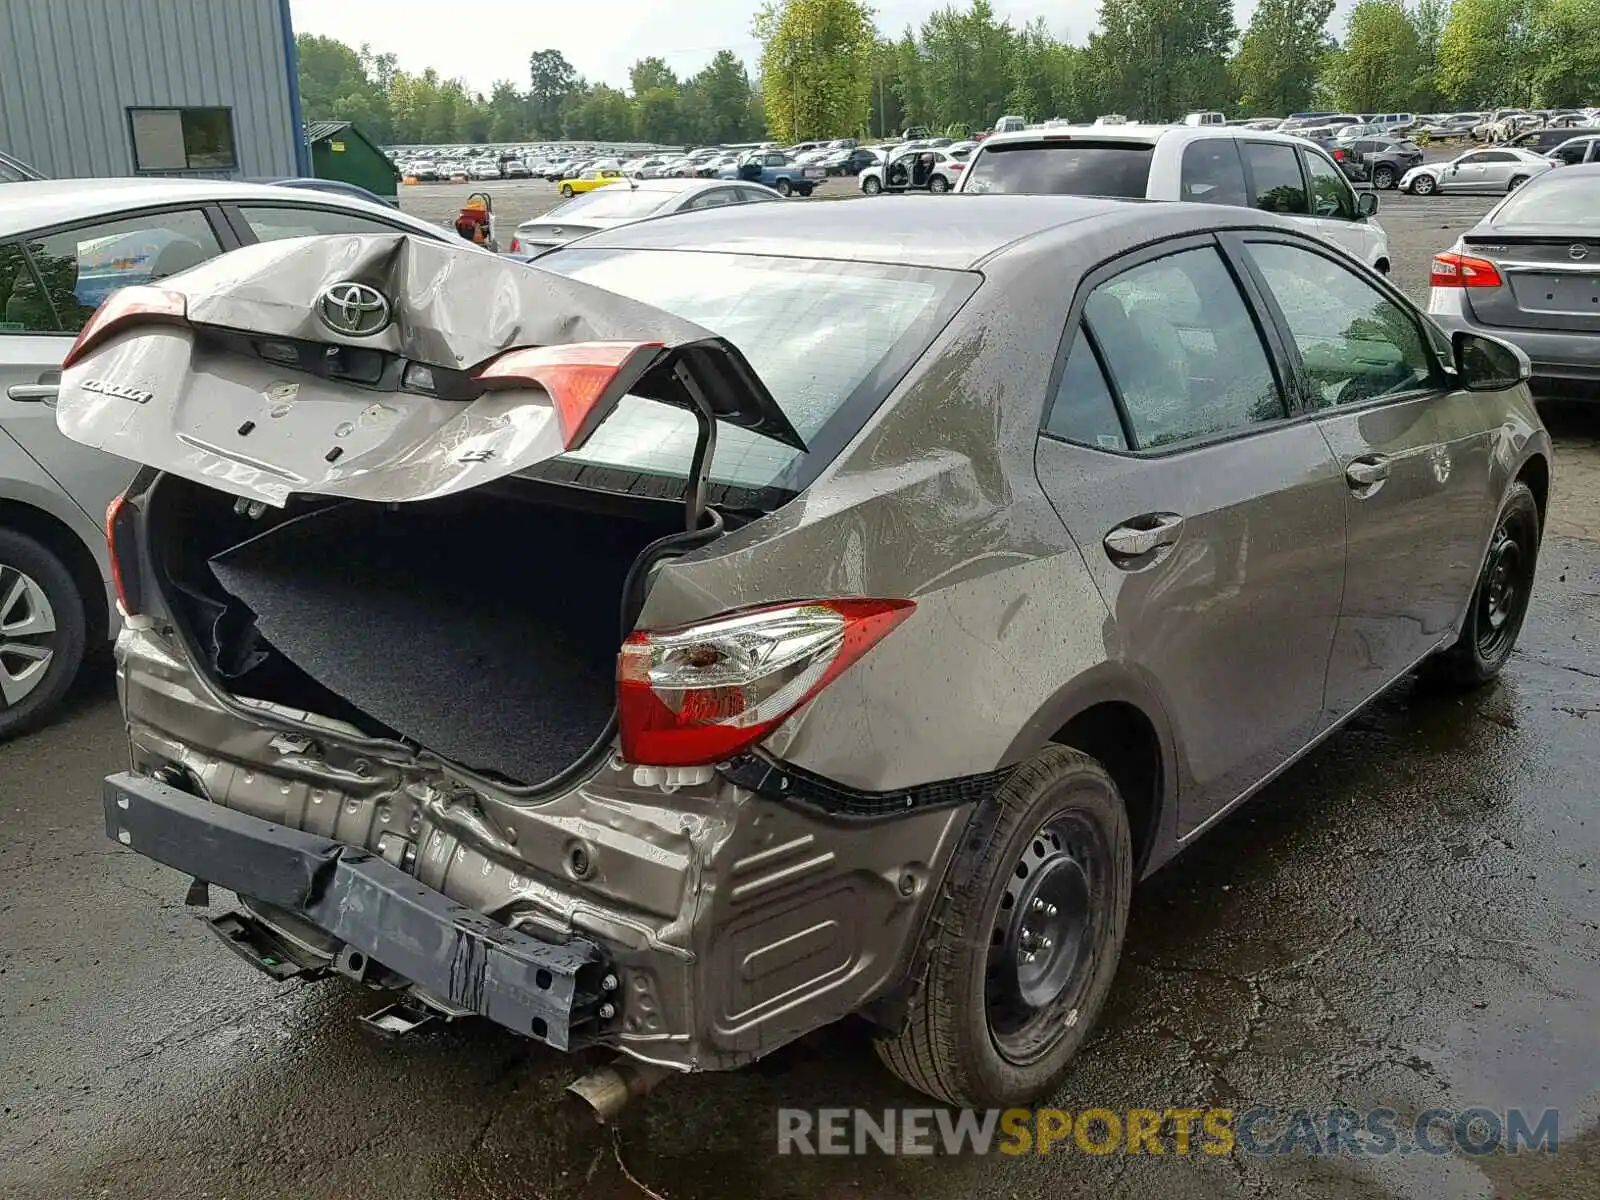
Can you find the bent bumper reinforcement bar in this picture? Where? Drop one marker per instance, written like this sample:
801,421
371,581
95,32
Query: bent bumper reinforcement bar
535,988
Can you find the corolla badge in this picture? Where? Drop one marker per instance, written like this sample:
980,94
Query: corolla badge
354,309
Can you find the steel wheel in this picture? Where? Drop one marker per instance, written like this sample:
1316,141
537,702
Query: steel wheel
28,636
1503,589
1042,948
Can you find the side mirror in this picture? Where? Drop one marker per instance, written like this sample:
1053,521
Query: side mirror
1486,364
1367,204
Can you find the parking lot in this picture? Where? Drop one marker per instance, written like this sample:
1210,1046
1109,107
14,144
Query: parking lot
1410,918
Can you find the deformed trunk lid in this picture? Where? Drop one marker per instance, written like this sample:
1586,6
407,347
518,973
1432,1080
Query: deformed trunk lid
177,398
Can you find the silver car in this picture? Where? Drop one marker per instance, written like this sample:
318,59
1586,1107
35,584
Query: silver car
1529,272
64,247
776,613
1502,169
609,207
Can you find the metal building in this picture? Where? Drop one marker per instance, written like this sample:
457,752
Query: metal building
193,88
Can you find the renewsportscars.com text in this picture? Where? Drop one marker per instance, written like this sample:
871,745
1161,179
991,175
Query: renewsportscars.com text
1171,1131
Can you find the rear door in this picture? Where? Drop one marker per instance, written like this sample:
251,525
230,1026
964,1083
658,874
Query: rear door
1415,459
1466,173
58,279
1211,519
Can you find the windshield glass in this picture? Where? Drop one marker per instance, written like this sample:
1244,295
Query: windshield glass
606,202
1065,168
1556,198
828,339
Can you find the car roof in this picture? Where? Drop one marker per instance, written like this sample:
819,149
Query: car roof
1140,133
50,202
954,232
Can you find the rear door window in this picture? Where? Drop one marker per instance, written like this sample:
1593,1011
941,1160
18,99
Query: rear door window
1276,183
1064,167
1213,172
82,266
271,223
1183,350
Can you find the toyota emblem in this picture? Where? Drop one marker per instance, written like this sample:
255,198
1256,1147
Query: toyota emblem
353,309
1577,251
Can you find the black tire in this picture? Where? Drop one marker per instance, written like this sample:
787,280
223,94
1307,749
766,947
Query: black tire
782,187
870,185
938,184
1495,616
804,191
566,190
21,556
1383,177
951,1045
1516,182
1424,185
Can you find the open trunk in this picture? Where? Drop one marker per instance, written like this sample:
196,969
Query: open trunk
482,626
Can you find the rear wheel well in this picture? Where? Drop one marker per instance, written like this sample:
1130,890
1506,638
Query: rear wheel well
1381,266
1536,474
59,539
1123,740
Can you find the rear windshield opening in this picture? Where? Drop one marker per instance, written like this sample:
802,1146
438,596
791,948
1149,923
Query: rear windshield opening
1063,168
829,339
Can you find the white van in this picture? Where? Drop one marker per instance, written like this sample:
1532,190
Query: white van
1205,118
1011,124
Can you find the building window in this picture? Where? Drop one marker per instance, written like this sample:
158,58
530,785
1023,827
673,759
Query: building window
182,139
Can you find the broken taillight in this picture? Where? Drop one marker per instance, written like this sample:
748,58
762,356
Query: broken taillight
702,693
121,519
575,375
124,307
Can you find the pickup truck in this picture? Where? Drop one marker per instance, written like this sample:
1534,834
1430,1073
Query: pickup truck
778,171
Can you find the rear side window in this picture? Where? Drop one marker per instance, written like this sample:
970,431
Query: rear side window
270,223
1182,349
1062,168
1275,176
1083,410
81,267
829,340
1213,172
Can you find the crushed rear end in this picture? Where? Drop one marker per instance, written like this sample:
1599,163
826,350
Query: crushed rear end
390,688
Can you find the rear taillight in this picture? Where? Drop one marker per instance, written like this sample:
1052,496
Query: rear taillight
1338,156
516,246
575,375
121,520
124,307
702,693
1452,270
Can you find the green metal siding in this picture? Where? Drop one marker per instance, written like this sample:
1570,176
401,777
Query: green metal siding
360,162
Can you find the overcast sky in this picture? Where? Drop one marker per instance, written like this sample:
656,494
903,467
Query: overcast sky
485,40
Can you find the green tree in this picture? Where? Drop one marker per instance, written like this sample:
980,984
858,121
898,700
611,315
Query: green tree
1156,59
1281,55
722,94
815,66
649,74
1428,19
658,117
552,84
909,83
964,61
1380,58
1484,53
338,83
507,113
1564,48
601,114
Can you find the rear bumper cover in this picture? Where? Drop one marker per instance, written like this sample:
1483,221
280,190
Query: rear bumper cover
535,988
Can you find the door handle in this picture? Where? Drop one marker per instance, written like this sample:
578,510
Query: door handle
34,393
1144,534
1365,472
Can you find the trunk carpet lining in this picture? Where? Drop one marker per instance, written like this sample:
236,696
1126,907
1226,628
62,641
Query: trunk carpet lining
484,630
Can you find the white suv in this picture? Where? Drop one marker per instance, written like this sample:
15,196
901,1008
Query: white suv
1208,165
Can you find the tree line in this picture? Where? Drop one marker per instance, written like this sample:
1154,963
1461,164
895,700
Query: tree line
826,70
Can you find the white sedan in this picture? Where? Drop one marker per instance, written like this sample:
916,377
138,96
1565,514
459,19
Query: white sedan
1502,169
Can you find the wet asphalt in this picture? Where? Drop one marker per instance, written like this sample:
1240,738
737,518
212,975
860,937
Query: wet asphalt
1409,918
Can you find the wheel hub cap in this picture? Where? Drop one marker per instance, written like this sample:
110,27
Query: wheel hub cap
27,635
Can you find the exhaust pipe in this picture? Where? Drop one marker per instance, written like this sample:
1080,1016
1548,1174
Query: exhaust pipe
604,1093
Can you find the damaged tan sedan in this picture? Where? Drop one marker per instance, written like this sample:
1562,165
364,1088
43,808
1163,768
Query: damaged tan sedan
674,651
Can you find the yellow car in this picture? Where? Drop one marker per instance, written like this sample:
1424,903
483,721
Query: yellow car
587,181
